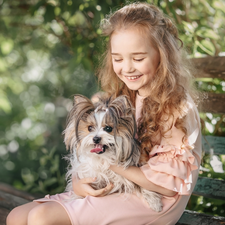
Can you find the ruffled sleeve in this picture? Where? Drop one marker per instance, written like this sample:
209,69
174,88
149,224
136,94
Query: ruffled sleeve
171,162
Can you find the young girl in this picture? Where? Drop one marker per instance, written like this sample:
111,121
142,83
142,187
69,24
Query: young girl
143,61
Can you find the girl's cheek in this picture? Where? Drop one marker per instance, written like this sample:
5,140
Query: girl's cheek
146,68
116,69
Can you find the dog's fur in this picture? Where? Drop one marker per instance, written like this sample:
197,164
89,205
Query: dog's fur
102,135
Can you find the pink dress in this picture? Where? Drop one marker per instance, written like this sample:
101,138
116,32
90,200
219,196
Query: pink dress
171,165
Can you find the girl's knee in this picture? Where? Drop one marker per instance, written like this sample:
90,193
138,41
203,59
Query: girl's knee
49,213
38,215
10,220
19,214
14,217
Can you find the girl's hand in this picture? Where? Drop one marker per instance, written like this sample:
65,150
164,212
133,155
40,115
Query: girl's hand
83,188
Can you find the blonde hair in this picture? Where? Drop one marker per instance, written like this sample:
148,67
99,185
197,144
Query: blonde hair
172,81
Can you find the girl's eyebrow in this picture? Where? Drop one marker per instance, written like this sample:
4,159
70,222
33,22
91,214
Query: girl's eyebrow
139,53
134,53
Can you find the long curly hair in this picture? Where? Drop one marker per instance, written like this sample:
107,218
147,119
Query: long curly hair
172,81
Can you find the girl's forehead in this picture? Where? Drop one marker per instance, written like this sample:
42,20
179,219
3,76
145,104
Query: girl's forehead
129,31
132,40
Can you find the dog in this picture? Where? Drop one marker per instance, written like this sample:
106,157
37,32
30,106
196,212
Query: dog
100,135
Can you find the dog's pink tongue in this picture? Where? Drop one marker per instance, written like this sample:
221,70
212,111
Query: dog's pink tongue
97,149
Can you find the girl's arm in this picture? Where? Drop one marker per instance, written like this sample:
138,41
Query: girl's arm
135,175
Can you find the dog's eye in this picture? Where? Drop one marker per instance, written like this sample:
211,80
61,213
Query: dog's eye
108,129
90,128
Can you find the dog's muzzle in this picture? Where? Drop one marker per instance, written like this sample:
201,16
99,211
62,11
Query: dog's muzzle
99,149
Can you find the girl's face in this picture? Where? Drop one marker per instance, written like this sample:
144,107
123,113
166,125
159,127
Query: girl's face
134,59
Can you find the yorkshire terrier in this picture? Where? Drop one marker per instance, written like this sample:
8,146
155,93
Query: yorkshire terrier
100,135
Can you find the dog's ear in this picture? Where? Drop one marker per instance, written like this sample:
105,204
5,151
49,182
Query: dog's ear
80,98
122,99
127,149
82,106
122,105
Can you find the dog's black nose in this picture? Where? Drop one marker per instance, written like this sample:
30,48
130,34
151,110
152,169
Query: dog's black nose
96,139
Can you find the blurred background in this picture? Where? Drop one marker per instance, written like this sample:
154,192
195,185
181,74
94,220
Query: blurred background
49,51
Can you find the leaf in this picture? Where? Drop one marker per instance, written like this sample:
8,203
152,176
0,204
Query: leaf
50,181
52,2
2,65
37,6
220,5
78,19
43,160
188,27
49,13
57,11
7,46
87,64
207,33
206,46
204,79
5,105
55,164
52,152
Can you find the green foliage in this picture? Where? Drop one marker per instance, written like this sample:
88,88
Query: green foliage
48,52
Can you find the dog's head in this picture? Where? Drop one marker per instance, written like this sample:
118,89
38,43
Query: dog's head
107,128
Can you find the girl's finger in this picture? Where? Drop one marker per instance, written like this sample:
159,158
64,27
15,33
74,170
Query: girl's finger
100,192
107,190
96,193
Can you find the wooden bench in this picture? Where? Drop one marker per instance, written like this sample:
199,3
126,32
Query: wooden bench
213,67
10,198
210,67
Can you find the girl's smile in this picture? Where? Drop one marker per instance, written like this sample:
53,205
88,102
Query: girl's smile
133,78
134,59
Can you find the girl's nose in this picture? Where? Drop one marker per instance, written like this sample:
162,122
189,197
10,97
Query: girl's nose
128,66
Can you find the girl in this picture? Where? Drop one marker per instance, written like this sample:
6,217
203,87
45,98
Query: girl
143,61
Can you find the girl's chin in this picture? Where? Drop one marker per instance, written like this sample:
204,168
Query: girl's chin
132,87
142,91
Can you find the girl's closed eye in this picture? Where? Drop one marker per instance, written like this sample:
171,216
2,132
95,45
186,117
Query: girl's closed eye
139,60
117,60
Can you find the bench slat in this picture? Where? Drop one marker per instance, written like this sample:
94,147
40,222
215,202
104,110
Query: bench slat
210,188
15,192
195,218
9,201
3,214
213,103
217,143
210,67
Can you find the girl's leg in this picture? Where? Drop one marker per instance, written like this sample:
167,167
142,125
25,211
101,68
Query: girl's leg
19,214
48,213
